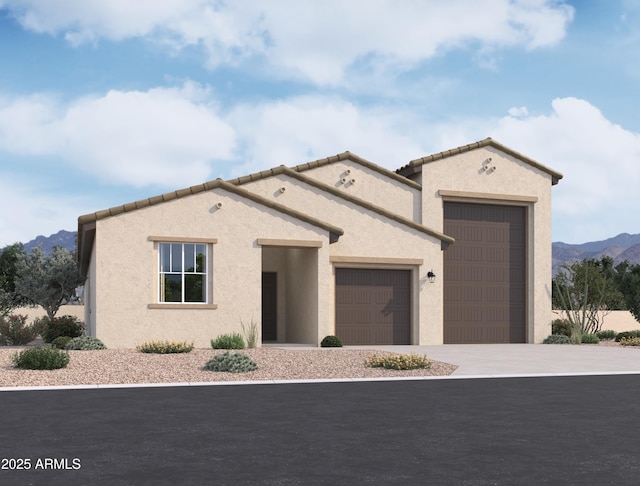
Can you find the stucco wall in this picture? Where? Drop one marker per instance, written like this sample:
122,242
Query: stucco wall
512,182
126,266
617,321
368,236
37,312
362,182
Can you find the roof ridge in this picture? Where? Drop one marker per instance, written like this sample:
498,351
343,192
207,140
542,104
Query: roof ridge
356,200
416,165
360,160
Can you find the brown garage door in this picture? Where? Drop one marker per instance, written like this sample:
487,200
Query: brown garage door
373,306
484,274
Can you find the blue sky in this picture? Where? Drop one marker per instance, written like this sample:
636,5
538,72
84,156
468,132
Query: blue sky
107,102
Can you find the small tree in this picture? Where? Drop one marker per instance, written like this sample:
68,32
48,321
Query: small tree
627,277
586,292
9,298
48,280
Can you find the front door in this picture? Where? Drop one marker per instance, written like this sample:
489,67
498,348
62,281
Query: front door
269,306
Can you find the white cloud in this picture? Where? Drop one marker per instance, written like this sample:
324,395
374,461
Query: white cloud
317,41
598,196
165,136
306,128
518,111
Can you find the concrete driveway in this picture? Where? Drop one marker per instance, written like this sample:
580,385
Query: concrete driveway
528,359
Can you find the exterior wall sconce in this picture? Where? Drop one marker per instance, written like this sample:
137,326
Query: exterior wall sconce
431,276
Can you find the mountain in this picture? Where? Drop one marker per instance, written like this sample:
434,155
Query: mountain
622,247
623,240
65,239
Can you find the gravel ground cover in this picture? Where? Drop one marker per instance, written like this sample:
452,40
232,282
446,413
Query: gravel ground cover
129,366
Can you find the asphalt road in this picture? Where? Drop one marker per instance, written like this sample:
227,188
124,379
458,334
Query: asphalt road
504,431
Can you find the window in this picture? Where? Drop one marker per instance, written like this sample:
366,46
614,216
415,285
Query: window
183,272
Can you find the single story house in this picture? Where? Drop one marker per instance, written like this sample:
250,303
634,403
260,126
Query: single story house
451,248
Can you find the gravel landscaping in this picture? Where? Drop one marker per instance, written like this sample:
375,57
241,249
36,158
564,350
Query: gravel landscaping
128,366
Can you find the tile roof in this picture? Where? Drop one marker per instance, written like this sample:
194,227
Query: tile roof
416,165
446,240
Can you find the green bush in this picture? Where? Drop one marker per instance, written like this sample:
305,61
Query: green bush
62,326
165,347
606,335
588,338
331,342
85,343
39,325
40,358
398,361
630,341
60,342
228,341
14,331
561,327
557,339
627,334
233,363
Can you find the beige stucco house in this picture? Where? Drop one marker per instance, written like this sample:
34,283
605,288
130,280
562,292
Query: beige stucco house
451,248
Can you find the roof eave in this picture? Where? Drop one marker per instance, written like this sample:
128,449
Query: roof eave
415,166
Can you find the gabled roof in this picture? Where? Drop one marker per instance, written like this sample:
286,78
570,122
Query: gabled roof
359,160
444,239
87,222
416,165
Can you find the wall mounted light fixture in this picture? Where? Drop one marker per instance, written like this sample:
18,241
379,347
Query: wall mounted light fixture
431,276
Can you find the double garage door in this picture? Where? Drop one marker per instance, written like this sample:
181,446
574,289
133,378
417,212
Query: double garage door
485,274
373,306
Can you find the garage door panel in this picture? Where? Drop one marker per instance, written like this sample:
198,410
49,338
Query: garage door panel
485,278
373,306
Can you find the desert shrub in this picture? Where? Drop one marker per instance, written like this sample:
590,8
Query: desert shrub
630,341
250,333
84,343
60,342
39,325
627,334
40,358
62,326
14,331
557,339
331,342
228,341
398,361
233,363
561,327
606,335
588,338
165,347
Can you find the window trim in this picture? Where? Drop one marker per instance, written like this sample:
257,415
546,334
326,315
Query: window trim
208,242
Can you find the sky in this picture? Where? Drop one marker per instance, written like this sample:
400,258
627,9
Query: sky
104,102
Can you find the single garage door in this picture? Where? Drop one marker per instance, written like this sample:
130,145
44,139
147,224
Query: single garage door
484,274
373,306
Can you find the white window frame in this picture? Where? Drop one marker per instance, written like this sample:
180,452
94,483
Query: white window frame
157,302
162,273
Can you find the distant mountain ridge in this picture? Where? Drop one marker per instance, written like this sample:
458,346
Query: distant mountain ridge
622,247
65,239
